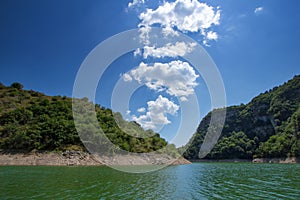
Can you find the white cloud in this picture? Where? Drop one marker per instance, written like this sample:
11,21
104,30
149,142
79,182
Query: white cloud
127,77
156,114
169,31
258,9
137,52
141,110
212,35
144,34
169,50
184,15
183,98
135,2
177,78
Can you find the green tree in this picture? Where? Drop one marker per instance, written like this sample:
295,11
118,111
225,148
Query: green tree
17,86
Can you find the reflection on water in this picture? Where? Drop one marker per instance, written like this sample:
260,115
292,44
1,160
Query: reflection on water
195,181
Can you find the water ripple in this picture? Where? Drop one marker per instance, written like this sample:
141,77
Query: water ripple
196,181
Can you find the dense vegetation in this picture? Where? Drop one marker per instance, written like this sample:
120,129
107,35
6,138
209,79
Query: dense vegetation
30,120
268,126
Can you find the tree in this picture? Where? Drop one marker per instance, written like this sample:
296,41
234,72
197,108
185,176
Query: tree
17,86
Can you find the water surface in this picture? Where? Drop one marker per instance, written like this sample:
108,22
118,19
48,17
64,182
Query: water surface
195,181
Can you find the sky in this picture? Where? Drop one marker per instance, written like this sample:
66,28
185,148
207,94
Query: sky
254,43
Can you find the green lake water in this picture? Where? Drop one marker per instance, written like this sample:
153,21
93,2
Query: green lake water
195,181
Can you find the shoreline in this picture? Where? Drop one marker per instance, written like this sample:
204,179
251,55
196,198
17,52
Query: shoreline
222,160
79,158
72,158
292,160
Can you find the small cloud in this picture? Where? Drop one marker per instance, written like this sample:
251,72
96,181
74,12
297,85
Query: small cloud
169,50
127,77
258,10
135,3
141,110
209,36
183,98
212,35
137,52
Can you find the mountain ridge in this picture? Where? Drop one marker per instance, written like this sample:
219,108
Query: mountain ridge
33,121
267,126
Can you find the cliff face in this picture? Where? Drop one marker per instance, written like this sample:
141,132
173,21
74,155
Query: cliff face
268,126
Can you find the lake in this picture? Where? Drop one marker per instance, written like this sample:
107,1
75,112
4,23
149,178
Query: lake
194,181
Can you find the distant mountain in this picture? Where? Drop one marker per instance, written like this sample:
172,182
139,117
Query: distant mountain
268,126
30,120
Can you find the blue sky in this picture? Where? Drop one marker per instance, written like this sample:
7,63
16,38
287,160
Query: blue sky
255,45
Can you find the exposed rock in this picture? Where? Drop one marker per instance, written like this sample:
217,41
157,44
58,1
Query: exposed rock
181,161
78,158
277,160
258,160
143,159
48,158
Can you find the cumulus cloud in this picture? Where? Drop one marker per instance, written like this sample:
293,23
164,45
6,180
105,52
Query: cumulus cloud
169,50
135,2
183,15
258,9
156,114
177,78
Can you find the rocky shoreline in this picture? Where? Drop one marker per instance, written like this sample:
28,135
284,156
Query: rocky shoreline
68,158
222,160
291,160
79,158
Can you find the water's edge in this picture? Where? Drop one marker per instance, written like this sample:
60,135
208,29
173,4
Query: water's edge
76,158
291,160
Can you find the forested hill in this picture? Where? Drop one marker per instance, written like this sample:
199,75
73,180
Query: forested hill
268,126
30,120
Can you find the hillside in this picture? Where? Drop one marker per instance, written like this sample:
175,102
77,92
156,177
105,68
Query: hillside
268,126
32,121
